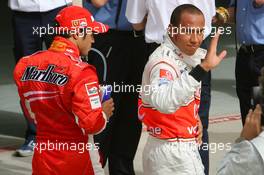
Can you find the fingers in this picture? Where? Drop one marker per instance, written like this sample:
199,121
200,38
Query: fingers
199,139
249,113
254,118
110,101
214,43
260,111
222,54
200,132
252,127
111,105
256,114
248,116
199,136
108,107
257,110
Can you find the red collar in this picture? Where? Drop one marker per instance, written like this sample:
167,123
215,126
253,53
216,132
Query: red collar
61,44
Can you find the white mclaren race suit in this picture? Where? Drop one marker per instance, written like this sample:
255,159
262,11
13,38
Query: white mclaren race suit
169,106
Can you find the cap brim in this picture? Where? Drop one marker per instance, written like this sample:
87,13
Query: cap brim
98,27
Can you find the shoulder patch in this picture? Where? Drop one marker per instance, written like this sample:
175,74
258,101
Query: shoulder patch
95,102
91,89
58,46
166,74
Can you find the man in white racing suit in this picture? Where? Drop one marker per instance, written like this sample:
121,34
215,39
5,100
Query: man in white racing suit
171,95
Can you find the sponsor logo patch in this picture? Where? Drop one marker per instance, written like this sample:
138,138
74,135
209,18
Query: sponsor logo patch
79,22
91,89
166,74
163,81
58,46
95,102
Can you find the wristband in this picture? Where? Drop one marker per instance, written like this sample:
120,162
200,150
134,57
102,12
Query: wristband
198,73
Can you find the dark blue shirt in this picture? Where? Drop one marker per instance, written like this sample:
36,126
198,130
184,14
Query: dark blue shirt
108,14
249,23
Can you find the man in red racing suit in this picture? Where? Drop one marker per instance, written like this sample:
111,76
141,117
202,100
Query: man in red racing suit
61,94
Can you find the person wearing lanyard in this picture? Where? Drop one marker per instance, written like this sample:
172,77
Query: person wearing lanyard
154,16
124,52
250,56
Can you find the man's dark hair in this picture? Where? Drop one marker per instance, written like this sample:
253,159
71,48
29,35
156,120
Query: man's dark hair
178,11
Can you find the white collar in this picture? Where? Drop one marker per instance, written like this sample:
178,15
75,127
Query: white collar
192,60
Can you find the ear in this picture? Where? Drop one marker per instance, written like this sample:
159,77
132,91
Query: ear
173,32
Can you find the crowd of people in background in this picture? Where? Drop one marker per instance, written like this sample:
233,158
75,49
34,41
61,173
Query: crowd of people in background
132,34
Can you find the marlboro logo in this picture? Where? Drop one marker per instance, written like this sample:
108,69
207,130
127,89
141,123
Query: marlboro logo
47,75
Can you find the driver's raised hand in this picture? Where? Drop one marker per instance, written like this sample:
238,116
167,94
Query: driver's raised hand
212,59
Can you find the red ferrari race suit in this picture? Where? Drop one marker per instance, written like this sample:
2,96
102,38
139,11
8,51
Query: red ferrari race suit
61,94
169,109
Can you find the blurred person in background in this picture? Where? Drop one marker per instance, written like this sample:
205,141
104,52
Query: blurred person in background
249,18
247,154
124,52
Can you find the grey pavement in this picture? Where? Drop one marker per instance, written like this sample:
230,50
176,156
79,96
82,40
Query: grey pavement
12,125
